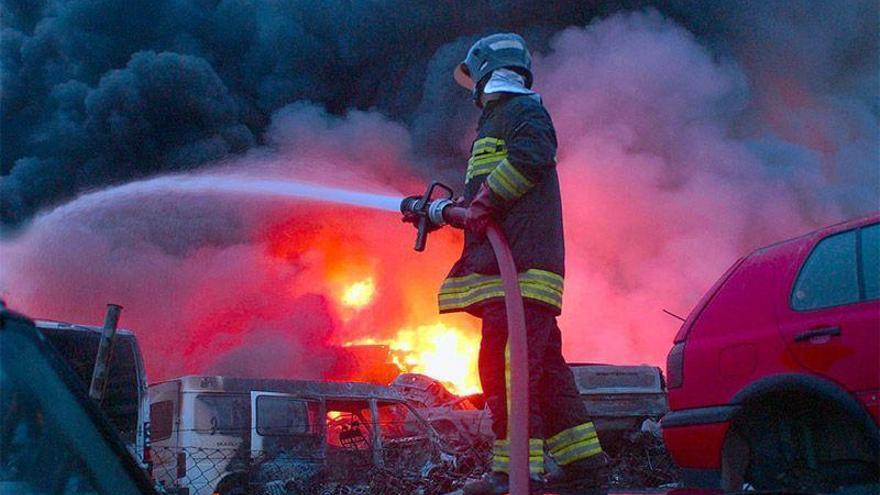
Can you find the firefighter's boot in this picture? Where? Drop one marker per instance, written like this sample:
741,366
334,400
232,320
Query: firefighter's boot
587,476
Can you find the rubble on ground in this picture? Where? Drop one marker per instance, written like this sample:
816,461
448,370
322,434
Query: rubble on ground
640,460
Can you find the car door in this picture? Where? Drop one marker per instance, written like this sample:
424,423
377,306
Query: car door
831,318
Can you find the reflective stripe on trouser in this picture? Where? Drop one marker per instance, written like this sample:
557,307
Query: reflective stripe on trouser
501,456
458,293
555,406
574,444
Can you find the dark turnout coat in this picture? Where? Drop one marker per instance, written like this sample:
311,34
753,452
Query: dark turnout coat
515,155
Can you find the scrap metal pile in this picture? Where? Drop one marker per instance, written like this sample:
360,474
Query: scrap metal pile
630,400
424,440
639,461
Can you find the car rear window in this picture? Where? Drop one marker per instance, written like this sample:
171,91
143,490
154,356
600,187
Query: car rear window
830,276
161,420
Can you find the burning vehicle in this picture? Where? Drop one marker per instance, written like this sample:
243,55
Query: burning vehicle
461,420
215,434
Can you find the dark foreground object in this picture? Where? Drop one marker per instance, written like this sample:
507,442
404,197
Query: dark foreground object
53,438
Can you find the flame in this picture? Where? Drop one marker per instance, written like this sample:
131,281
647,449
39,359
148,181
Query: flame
442,352
359,294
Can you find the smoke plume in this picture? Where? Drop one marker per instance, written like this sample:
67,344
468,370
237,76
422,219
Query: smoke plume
689,135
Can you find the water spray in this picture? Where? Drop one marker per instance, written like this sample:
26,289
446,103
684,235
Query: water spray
429,213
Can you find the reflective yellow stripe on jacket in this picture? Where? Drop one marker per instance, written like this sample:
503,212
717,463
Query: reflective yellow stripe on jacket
486,154
460,292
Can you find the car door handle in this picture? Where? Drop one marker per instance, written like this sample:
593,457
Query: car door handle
817,332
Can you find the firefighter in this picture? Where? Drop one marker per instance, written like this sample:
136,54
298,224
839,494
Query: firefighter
511,178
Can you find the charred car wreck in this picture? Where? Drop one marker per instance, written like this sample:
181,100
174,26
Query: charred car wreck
214,434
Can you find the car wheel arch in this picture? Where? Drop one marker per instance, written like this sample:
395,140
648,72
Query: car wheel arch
804,383
756,399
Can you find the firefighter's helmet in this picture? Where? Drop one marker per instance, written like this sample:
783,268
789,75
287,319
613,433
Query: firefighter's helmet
507,50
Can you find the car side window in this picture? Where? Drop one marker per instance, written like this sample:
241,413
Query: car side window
829,277
871,260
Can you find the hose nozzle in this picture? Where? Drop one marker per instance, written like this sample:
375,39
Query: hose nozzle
426,212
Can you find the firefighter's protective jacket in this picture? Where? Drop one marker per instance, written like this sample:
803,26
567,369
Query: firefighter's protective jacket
515,155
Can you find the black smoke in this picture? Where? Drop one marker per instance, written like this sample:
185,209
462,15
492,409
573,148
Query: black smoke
100,92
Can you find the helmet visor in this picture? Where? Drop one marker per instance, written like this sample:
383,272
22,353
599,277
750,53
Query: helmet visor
462,77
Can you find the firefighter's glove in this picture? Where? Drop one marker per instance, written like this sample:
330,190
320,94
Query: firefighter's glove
480,212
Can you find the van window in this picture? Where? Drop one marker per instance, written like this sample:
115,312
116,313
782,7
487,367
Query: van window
871,260
223,414
283,416
161,420
829,276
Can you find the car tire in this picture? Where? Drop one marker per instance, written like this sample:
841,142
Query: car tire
232,485
797,441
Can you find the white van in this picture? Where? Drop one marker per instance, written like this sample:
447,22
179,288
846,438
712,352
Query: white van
214,434
125,401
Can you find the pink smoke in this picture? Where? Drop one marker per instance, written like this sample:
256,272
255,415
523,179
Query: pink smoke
661,193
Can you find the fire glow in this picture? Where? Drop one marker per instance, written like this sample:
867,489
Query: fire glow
439,351
443,352
379,293
359,294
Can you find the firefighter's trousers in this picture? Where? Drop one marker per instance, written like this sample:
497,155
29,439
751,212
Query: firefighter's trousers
557,417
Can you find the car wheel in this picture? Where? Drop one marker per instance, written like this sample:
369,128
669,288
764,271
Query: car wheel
232,485
795,441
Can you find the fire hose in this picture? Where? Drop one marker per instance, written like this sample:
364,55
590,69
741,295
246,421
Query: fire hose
428,214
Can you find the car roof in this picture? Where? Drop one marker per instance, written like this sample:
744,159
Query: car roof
796,243
63,325
305,388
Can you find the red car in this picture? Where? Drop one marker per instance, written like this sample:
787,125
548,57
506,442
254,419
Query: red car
774,378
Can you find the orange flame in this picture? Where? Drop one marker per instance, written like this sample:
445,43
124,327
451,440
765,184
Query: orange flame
442,352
